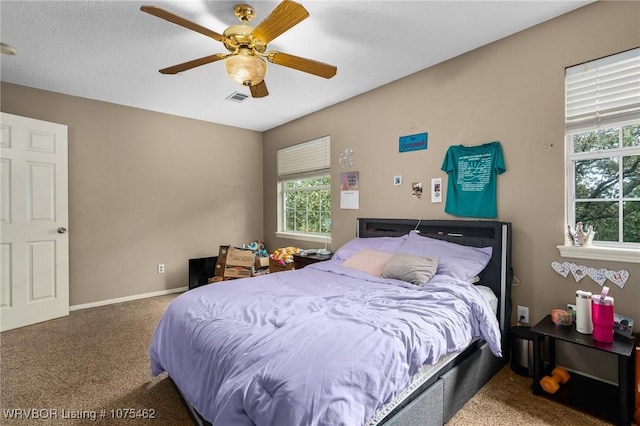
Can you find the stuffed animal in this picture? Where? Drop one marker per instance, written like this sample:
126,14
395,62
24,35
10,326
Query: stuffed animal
285,254
258,249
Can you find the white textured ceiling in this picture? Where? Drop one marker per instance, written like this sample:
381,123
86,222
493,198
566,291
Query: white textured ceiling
111,51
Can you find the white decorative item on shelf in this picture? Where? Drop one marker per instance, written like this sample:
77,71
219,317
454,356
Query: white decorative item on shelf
580,237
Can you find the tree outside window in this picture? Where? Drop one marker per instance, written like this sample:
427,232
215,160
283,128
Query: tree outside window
307,205
606,169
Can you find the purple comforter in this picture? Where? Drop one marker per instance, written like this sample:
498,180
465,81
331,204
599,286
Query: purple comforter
323,345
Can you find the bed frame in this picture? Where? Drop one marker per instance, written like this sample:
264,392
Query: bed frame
440,397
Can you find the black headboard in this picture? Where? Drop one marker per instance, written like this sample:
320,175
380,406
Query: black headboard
476,233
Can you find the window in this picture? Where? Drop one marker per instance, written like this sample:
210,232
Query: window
304,181
603,148
605,172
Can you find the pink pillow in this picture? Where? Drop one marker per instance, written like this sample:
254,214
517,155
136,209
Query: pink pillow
370,261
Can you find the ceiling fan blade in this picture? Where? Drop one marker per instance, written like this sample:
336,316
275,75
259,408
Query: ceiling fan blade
6,49
192,64
168,16
302,64
259,90
285,16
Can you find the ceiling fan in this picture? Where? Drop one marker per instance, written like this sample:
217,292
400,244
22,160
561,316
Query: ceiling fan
247,45
6,49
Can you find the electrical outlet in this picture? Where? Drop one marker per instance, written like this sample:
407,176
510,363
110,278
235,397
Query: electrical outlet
161,268
523,314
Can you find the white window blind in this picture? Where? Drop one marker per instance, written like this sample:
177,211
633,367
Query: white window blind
304,159
603,91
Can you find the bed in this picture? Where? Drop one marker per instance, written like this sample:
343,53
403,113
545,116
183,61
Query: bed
376,335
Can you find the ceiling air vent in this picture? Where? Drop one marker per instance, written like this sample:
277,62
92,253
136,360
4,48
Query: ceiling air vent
237,97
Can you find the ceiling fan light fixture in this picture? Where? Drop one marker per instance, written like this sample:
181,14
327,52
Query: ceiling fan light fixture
246,68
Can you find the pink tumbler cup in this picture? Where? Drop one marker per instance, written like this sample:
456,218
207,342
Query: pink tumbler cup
602,317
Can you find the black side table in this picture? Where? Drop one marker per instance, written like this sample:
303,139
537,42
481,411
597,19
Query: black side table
200,270
610,402
300,261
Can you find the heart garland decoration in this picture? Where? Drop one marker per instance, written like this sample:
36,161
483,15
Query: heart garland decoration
619,278
561,268
598,275
578,272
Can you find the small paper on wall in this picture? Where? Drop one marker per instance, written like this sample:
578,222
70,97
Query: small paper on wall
349,200
350,190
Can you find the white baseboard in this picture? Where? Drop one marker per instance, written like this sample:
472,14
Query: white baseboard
127,298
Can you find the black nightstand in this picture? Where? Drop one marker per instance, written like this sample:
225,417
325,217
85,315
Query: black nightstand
300,261
613,403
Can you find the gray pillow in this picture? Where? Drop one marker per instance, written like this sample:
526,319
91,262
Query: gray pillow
408,267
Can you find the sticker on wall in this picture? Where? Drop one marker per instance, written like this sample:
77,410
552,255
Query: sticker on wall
416,190
346,158
578,272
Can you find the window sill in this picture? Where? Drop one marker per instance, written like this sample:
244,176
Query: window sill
601,253
304,237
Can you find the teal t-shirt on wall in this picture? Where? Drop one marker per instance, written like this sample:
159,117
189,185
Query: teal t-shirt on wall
473,175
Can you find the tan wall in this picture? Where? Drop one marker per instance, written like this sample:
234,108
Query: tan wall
147,188
511,91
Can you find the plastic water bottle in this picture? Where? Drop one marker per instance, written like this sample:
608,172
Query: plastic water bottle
583,312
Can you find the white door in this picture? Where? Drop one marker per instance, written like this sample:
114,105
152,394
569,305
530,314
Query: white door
34,246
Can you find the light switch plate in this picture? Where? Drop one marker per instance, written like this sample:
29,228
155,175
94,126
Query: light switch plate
436,190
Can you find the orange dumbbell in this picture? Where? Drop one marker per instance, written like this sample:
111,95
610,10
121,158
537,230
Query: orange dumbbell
552,383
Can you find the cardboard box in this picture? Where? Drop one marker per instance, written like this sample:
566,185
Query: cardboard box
239,263
237,272
221,263
261,262
275,266
234,263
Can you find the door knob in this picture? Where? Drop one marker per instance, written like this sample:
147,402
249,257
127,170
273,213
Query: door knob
62,230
